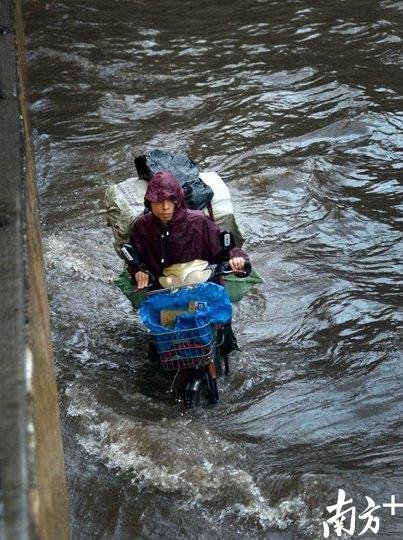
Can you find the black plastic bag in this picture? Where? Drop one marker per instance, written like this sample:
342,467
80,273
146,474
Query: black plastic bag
198,194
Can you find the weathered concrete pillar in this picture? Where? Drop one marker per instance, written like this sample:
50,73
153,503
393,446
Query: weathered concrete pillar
33,501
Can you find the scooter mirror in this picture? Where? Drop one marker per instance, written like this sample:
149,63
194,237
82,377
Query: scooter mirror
227,240
131,255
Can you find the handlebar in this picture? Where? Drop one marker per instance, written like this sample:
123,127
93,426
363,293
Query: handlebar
224,268
218,270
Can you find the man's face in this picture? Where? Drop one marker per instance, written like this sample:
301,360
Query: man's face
163,210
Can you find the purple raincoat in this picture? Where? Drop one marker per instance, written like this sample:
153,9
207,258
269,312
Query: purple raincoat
189,235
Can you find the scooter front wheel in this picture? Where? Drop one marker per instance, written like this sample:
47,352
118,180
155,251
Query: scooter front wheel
212,392
192,393
191,400
203,385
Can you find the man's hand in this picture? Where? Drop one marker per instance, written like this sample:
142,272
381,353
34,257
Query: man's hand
237,263
141,279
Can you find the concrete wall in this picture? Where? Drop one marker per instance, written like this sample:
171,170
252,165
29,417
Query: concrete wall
33,501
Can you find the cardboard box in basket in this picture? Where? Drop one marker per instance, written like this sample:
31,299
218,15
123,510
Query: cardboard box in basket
168,316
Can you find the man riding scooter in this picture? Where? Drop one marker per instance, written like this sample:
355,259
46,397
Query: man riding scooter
171,233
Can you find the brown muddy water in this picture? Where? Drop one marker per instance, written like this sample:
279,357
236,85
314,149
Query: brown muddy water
298,106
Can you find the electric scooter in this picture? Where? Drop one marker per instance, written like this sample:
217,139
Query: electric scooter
195,348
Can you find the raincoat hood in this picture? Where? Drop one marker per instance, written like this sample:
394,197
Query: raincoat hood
164,185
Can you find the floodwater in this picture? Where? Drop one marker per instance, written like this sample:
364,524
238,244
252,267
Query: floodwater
298,106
